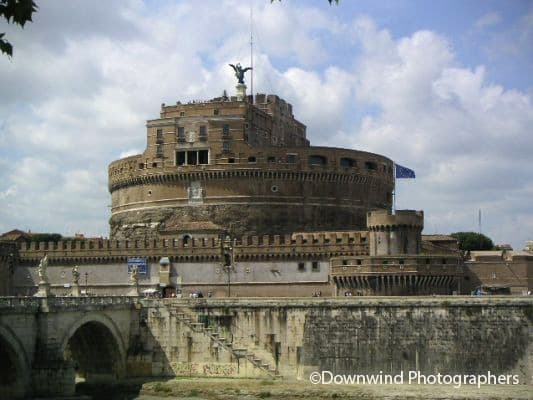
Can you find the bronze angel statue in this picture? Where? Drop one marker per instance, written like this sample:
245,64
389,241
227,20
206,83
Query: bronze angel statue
239,72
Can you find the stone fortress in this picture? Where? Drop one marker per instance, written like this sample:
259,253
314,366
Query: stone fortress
233,196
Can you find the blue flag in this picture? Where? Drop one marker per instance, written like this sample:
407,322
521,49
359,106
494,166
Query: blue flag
402,172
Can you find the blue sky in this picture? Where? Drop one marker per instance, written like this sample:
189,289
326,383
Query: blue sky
443,87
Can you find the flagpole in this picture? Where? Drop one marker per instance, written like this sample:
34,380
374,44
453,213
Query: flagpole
394,192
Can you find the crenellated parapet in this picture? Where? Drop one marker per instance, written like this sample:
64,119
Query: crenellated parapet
384,220
248,248
398,233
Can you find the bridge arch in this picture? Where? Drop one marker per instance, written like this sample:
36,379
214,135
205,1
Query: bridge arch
96,348
15,370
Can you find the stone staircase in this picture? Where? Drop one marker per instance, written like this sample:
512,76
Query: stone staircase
189,318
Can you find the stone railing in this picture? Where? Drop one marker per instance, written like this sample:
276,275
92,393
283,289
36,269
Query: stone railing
20,304
32,304
91,301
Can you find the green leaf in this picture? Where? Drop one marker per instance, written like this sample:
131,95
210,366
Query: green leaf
5,47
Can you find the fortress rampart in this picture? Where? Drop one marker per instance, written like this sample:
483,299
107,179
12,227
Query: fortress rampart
247,248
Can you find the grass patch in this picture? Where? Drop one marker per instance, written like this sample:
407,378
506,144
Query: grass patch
160,388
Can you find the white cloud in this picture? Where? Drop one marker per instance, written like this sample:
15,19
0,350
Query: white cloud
488,20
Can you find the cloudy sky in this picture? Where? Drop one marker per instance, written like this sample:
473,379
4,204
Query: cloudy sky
443,87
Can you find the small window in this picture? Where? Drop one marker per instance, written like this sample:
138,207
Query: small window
180,158
344,262
159,150
370,165
315,266
192,158
226,146
154,165
181,134
225,130
317,160
141,166
443,261
203,157
271,159
291,158
231,160
301,267
274,188
186,240
358,262
182,114
427,261
401,262
203,133
252,159
348,162
385,262
159,134
215,111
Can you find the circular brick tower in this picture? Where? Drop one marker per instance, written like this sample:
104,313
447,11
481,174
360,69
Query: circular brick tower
230,165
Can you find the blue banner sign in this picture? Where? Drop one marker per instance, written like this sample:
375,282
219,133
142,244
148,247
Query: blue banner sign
139,262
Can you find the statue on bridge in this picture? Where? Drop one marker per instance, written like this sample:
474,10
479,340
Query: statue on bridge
43,265
134,279
75,275
43,286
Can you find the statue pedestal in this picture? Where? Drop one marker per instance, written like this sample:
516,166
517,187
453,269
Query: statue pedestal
241,91
44,290
75,290
134,291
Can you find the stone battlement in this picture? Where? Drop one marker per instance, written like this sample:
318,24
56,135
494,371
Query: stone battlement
317,245
384,219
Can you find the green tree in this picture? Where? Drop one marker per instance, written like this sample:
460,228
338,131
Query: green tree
15,12
473,241
46,237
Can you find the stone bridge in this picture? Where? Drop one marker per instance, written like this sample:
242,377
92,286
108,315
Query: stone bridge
45,343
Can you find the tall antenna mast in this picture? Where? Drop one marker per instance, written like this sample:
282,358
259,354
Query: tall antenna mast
251,52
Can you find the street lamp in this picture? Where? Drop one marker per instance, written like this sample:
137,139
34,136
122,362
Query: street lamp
86,279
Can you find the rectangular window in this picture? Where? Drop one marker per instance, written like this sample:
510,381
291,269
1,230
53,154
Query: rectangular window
291,158
226,146
180,158
203,132
203,157
159,150
159,134
192,158
181,134
271,159
225,130
301,267
315,266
